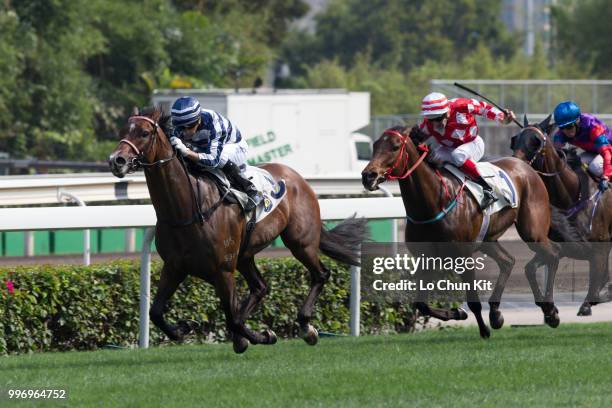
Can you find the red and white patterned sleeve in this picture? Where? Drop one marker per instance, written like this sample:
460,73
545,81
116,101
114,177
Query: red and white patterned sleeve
481,108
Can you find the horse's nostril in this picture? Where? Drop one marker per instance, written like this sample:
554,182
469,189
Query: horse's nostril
120,161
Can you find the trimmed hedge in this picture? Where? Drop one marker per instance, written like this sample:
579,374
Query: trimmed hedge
84,308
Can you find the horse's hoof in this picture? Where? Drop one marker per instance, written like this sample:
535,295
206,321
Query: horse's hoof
496,318
240,345
310,335
485,333
271,336
185,327
552,319
459,314
175,336
585,310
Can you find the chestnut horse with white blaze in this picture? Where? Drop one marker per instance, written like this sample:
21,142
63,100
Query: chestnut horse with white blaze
200,234
399,154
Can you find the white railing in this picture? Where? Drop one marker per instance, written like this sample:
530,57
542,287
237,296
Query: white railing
44,189
128,216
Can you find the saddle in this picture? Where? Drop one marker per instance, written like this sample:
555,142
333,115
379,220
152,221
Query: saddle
497,178
273,191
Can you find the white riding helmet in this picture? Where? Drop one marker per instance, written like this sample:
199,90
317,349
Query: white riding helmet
433,105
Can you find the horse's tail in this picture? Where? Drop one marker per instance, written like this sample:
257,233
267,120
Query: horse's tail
563,230
343,241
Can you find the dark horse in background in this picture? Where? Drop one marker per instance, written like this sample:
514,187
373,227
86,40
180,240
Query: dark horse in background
209,247
398,154
570,188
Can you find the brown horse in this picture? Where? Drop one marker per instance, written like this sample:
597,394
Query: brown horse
199,234
571,189
398,154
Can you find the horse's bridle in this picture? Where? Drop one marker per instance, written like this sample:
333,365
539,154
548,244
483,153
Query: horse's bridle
138,160
540,152
404,139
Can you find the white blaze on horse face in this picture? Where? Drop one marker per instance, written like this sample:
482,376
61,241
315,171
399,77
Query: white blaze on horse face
132,127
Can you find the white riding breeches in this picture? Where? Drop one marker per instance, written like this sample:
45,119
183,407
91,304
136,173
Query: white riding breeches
473,150
594,161
234,152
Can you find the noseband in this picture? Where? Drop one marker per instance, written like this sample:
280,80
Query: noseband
401,154
138,160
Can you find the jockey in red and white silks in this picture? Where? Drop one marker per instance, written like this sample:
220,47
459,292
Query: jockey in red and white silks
451,123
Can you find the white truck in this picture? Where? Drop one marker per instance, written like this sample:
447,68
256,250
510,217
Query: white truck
311,130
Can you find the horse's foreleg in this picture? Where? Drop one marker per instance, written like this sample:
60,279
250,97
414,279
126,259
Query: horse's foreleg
440,314
168,283
258,288
225,286
420,304
505,261
545,255
474,304
598,268
530,272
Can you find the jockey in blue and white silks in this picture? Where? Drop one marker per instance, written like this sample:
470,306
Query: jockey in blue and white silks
212,141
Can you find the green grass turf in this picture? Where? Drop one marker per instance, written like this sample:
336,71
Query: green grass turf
535,366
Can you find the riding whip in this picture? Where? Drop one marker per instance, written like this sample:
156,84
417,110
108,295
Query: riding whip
465,88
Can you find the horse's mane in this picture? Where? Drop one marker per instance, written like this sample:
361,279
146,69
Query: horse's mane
164,122
415,133
573,160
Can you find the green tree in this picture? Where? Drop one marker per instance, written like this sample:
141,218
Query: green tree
401,33
273,16
582,34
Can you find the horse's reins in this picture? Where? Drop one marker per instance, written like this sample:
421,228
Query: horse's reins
540,153
403,153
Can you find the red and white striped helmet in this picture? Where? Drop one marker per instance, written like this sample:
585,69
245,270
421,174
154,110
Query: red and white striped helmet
433,105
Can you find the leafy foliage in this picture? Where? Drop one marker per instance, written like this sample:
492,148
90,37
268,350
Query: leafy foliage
71,71
583,33
401,34
76,307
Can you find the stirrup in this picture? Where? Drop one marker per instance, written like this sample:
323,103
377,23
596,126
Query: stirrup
488,199
253,201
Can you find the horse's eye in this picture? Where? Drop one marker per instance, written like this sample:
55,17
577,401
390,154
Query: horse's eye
396,147
146,133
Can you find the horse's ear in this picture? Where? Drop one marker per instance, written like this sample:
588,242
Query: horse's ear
525,121
545,124
135,111
157,113
416,134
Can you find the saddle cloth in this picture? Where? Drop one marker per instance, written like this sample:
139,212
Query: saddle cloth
273,192
497,178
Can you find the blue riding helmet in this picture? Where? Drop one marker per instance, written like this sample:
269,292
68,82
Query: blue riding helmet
185,111
566,113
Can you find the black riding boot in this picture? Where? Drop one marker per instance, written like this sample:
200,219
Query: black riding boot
489,195
235,177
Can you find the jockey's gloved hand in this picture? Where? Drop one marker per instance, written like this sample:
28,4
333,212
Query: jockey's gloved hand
509,116
179,145
603,184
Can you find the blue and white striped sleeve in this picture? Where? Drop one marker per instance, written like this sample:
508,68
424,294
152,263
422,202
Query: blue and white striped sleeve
218,134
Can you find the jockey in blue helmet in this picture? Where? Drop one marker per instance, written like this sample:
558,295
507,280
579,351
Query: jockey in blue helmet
212,141
590,134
